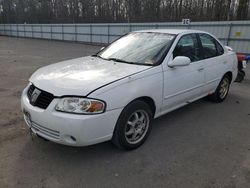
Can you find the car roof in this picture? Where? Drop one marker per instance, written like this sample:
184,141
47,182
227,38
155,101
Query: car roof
171,31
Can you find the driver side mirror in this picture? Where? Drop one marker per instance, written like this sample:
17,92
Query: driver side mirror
179,61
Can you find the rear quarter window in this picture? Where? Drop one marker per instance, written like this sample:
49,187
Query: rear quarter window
220,49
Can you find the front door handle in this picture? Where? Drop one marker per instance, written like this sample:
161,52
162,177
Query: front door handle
200,69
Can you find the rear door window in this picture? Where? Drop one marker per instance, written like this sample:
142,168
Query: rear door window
209,46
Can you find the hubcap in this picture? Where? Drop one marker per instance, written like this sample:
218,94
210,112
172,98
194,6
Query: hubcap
224,88
137,127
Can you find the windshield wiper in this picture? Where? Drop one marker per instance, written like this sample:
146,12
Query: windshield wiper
121,60
96,55
117,60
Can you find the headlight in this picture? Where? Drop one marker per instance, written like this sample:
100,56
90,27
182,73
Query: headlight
79,105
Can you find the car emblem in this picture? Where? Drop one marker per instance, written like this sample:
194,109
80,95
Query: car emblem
35,95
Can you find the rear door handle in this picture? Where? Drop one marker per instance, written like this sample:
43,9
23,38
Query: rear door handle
200,69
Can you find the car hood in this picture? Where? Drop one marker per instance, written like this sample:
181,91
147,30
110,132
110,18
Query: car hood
81,76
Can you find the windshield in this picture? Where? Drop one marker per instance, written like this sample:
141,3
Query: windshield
139,48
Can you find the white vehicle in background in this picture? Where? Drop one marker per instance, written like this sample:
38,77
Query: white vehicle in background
115,94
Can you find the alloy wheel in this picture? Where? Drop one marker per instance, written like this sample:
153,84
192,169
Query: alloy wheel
137,126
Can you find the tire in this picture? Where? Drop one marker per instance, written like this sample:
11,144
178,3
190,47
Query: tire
133,126
240,76
222,90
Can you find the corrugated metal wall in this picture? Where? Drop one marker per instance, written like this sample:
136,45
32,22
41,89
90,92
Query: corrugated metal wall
235,34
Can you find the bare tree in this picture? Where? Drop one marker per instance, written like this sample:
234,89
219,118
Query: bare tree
242,10
93,11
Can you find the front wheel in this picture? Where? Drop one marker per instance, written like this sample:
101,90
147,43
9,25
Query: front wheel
133,126
222,90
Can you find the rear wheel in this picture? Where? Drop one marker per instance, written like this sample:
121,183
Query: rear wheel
240,76
222,90
133,126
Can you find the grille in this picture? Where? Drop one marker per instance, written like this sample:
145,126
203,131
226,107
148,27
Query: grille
30,91
43,100
53,134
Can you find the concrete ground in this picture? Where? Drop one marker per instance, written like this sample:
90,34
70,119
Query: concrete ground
202,145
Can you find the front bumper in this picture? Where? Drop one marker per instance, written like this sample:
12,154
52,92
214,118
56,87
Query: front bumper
69,129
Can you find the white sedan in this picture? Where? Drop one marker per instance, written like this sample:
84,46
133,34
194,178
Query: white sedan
115,94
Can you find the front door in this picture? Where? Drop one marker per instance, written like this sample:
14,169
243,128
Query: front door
184,83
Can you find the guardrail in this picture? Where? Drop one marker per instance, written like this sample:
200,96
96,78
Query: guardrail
235,34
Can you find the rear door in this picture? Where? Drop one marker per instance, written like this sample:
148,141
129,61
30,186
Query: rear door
213,55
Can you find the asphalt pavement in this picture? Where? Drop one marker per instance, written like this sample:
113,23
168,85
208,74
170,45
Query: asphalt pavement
202,145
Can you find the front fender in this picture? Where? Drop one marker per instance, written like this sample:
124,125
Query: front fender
145,84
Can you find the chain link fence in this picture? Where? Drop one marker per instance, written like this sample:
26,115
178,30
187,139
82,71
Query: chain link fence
235,34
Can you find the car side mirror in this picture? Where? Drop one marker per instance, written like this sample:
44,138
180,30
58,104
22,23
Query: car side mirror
179,61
